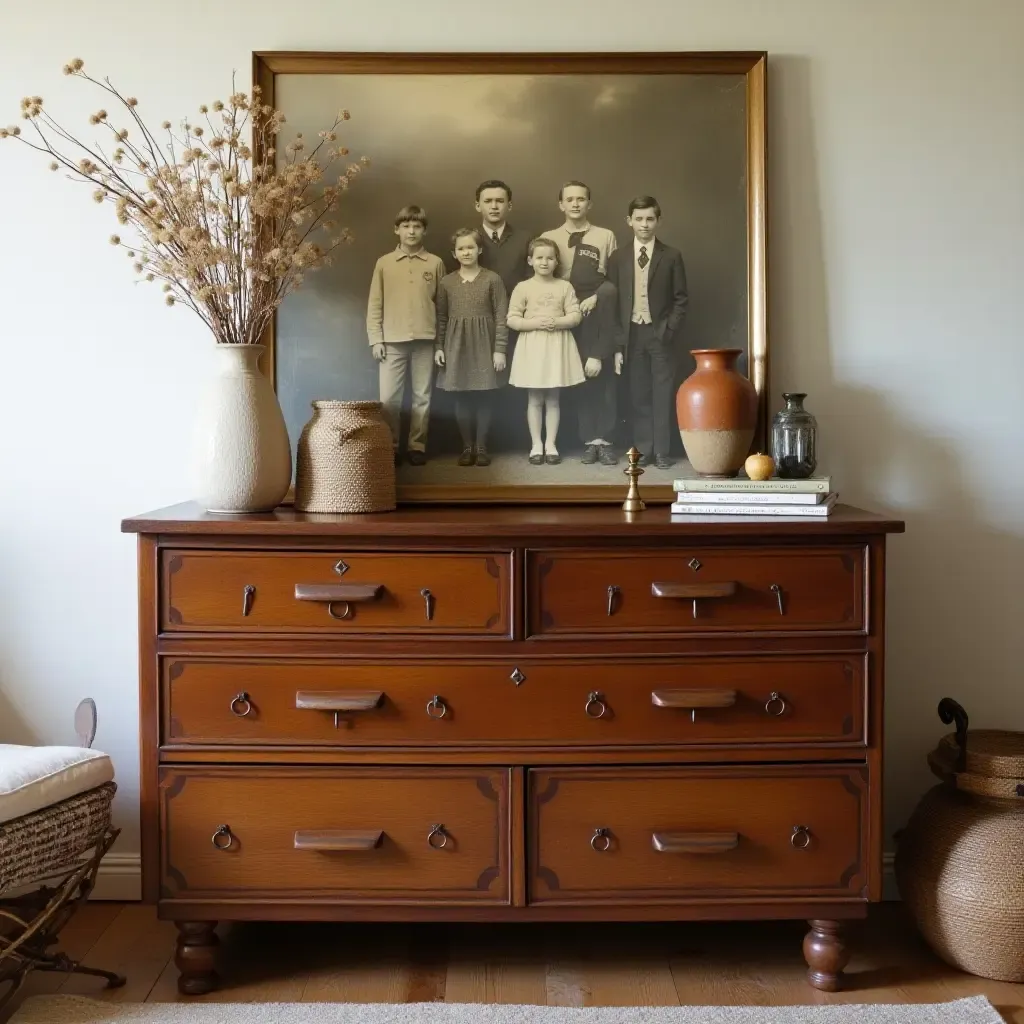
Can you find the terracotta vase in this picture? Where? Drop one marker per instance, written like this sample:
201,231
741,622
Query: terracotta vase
716,407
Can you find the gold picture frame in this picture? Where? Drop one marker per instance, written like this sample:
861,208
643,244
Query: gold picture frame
284,75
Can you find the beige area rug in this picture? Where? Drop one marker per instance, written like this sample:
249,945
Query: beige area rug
79,1010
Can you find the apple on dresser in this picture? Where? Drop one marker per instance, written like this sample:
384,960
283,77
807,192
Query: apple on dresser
510,714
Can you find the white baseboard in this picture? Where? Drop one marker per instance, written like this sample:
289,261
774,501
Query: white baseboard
120,878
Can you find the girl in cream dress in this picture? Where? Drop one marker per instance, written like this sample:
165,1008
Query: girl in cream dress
544,309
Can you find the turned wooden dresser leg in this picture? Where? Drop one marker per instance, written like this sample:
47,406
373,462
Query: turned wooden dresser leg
826,954
196,957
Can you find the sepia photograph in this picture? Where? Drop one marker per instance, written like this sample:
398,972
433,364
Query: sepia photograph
537,247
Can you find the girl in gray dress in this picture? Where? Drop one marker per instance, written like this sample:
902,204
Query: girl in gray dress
470,343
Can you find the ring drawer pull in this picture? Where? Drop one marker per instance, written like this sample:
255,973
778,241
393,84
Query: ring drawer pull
428,600
613,592
438,838
777,591
776,700
801,837
345,613
595,701
248,593
601,840
240,701
223,838
695,842
436,708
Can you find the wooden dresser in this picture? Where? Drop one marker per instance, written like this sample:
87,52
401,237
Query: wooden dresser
510,714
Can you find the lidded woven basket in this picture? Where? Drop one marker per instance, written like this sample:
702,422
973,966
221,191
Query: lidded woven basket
344,460
960,860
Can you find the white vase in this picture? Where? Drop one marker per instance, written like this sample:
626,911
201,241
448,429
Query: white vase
243,458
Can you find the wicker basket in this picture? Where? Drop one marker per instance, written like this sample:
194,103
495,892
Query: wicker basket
344,461
960,860
53,840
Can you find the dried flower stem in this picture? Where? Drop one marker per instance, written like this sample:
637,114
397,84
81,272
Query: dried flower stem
227,236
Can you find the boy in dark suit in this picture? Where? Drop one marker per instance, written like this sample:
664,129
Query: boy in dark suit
504,247
652,299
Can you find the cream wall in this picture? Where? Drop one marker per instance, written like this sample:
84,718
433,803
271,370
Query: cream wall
896,181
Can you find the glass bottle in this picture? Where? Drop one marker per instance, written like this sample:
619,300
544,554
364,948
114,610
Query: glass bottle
794,439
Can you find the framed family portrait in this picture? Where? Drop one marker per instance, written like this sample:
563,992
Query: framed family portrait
539,242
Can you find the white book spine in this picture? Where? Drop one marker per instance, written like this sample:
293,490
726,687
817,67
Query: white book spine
701,508
701,485
751,497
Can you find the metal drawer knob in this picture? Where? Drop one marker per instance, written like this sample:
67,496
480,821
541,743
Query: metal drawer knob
223,838
801,837
595,706
241,705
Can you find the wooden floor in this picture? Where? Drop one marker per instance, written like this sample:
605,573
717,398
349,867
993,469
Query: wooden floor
563,965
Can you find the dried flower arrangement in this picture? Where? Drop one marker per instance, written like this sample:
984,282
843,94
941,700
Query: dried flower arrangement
226,227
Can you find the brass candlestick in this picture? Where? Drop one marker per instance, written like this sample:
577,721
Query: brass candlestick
633,502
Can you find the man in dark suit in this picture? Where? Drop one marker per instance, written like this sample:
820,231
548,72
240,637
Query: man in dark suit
652,299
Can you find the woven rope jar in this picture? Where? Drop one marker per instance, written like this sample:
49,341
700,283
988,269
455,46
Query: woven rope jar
344,460
960,860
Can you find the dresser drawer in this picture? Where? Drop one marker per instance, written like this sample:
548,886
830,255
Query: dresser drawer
665,835
762,699
679,591
342,595
375,835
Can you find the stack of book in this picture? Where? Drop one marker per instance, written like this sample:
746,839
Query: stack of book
741,496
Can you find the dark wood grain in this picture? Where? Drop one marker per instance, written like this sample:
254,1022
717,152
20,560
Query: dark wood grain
554,711
821,699
265,808
762,806
581,523
737,594
297,593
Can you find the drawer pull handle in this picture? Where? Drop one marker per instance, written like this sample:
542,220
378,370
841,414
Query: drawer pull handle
223,838
340,700
694,591
595,706
801,837
777,591
436,708
695,842
238,702
613,592
776,701
694,698
248,593
601,840
338,839
428,599
437,838
342,594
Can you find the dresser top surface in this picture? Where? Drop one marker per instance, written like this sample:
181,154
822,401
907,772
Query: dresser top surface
507,521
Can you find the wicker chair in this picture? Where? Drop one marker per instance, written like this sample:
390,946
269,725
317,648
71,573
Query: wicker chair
49,856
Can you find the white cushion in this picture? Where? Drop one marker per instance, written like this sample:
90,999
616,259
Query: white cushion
32,778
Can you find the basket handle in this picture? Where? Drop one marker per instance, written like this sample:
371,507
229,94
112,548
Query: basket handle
347,433
950,711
